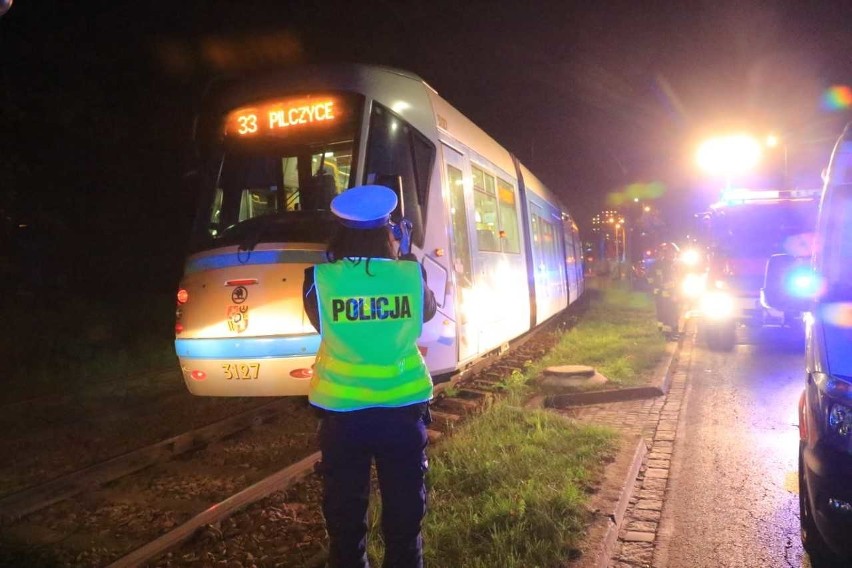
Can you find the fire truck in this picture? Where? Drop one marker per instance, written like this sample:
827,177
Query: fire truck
742,231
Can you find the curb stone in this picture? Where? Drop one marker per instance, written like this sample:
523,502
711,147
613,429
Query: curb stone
610,505
620,478
659,388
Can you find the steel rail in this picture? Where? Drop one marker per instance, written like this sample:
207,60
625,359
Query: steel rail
275,482
25,501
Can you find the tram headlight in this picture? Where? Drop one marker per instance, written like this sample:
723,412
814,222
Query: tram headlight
717,305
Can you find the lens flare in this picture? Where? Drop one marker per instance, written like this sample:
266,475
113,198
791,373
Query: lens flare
838,313
837,97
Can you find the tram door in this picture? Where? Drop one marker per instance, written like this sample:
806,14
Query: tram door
466,332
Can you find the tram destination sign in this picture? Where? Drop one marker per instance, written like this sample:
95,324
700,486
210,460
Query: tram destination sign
271,117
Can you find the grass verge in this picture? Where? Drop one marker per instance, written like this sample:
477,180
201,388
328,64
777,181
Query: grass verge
509,489
618,336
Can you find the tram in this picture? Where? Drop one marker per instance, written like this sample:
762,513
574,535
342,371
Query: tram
501,254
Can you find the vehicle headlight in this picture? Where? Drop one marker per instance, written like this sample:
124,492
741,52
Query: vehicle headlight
690,257
717,305
840,419
839,413
693,285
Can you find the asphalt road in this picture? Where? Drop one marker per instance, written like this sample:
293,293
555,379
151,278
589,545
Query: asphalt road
732,497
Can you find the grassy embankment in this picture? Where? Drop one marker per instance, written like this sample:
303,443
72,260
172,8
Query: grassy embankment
618,336
509,487
71,344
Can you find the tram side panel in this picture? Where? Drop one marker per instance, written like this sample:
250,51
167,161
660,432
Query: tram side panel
548,257
489,287
580,265
573,259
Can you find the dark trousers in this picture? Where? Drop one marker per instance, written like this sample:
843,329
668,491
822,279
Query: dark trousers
396,439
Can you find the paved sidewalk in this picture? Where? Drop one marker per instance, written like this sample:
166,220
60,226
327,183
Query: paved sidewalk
655,419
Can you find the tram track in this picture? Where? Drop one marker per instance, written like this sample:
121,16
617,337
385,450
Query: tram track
95,515
43,495
163,504
454,401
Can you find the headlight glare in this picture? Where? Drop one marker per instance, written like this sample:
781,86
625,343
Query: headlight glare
693,285
717,305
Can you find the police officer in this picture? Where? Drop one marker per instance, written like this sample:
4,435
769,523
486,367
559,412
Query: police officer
370,382
665,281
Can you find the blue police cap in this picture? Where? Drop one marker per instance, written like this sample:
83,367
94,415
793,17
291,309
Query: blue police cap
365,206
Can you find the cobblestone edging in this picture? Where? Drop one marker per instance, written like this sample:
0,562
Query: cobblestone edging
655,420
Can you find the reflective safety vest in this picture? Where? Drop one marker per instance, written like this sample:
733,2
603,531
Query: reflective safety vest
368,355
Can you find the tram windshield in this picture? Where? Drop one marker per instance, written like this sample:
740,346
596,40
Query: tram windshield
280,165
286,192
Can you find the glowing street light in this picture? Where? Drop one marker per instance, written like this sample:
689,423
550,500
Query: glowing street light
618,224
729,155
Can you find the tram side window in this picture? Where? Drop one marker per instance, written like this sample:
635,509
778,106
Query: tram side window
544,243
397,151
485,211
511,241
550,248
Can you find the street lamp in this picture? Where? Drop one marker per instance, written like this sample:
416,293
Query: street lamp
619,257
618,224
729,155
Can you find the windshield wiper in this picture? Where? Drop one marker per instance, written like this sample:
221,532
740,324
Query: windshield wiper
253,237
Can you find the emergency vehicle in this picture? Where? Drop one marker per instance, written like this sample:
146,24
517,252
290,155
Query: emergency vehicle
823,287
742,231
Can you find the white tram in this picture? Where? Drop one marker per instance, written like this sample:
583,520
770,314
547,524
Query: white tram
501,253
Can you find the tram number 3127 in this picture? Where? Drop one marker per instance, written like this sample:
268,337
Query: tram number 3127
241,371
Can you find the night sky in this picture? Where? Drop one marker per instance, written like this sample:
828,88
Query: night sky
98,99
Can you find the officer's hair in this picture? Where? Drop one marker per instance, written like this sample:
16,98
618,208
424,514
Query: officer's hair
355,243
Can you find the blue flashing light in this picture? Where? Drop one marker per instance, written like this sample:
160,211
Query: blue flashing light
802,282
